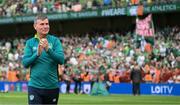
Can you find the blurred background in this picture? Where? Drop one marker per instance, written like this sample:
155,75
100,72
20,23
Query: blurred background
102,39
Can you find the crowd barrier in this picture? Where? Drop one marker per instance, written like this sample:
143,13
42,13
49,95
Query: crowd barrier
120,88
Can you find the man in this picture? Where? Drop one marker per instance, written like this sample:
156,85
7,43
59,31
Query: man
136,78
67,79
42,54
77,80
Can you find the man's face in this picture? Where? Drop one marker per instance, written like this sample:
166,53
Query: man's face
42,26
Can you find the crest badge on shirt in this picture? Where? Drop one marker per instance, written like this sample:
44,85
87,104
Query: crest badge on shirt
34,48
50,45
54,100
31,97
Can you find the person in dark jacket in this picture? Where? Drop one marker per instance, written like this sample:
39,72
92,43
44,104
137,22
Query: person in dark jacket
136,78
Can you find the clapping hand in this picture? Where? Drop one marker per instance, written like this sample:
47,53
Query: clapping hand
44,43
40,49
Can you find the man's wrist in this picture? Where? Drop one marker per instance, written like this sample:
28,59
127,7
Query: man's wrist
47,49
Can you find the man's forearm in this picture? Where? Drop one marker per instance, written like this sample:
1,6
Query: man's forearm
58,57
27,61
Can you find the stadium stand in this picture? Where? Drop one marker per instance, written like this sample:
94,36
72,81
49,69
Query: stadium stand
105,52
10,8
111,53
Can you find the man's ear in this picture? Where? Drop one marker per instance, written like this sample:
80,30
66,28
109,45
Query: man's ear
34,25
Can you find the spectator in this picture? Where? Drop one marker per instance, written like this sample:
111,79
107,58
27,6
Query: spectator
136,78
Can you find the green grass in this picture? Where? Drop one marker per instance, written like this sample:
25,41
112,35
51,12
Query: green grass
72,99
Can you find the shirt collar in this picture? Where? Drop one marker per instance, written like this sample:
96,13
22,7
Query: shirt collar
37,36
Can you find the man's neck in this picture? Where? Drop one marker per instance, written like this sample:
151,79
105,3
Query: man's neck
41,36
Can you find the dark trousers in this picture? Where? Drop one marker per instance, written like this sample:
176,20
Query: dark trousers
38,96
136,88
68,83
77,87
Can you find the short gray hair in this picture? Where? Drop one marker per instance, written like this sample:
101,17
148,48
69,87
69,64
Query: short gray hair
40,17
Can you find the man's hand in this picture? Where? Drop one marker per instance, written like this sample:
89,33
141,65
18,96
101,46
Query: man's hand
40,49
44,43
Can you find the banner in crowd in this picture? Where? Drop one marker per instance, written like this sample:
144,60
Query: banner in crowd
147,89
68,15
23,86
162,8
116,88
85,87
13,86
144,27
161,89
135,10
101,12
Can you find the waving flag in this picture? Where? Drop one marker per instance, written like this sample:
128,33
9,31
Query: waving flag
145,27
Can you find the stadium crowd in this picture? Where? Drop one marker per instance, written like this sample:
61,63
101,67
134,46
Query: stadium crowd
10,8
105,56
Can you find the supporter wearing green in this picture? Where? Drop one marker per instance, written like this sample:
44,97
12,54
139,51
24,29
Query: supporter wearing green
42,54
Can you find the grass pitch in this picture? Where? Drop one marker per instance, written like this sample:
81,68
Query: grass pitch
72,99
